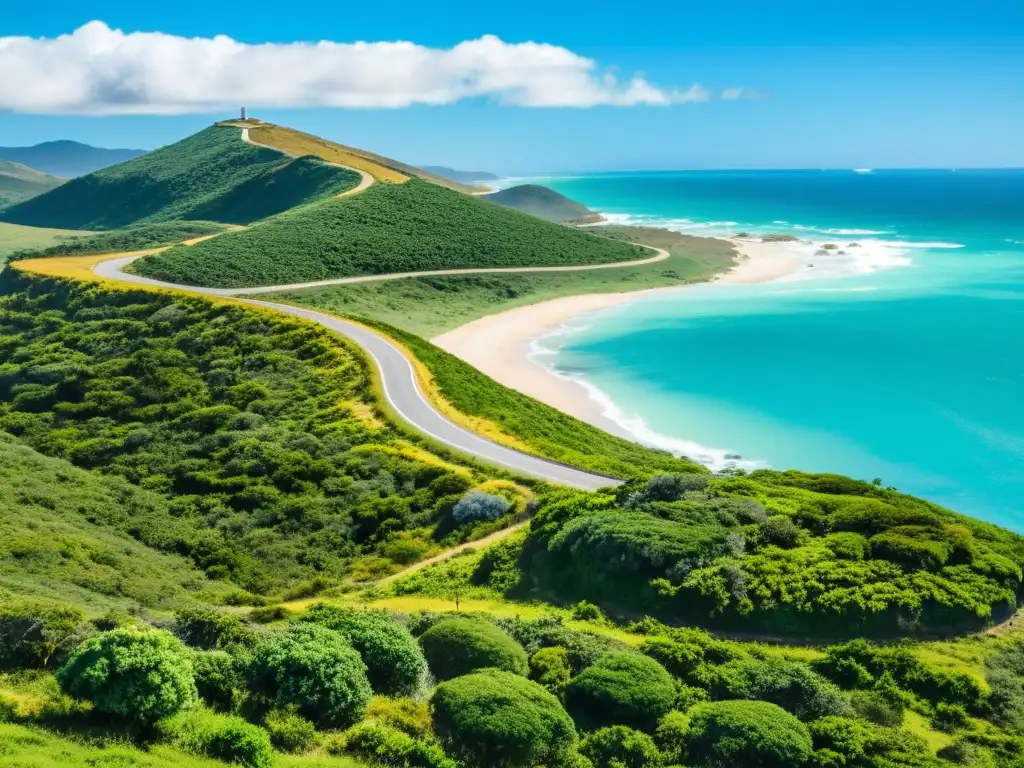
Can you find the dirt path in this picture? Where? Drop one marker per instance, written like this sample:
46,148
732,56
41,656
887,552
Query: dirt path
365,179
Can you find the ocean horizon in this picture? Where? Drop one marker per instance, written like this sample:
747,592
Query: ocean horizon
894,353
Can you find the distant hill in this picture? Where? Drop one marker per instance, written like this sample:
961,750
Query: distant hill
19,183
466,177
212,176
68,159
544,203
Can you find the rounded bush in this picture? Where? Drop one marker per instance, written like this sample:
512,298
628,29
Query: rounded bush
237,741
620,688
455,647
621,747
497,718
383,745
290,732
34,632
794,687
477,505
550,667
754,734
394,662
142,675
313,669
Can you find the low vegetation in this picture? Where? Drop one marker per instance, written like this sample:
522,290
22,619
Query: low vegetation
15,238
134,238
428,306
253,434
387,228
211,176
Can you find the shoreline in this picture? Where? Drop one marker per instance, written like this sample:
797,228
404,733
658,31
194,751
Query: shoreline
499,345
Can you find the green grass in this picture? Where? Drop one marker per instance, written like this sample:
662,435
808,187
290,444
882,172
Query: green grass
428,306
387,228
133,238
53,543
19,183
24,746
212,176
14,238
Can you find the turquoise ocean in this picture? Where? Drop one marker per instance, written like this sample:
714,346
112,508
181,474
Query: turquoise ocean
899,355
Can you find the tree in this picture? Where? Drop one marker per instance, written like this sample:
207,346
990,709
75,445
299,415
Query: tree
620,688
754,734
32,632
620,747
459,646
395,664
137,674
500,719
313,669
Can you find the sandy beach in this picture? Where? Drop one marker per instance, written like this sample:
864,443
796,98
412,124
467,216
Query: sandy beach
499,345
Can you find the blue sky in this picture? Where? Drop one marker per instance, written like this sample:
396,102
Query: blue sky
867,84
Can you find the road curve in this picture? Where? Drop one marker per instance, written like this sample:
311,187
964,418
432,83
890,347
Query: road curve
365,179
400,388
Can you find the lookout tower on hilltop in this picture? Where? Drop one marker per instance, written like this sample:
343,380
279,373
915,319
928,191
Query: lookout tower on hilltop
244,114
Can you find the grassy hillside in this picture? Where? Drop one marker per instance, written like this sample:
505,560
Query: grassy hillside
64,535
211,176
429,306
383,169
18,183
68,159
15,238
137,237
544,203
387,228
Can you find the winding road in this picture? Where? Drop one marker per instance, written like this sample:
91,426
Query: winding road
400,386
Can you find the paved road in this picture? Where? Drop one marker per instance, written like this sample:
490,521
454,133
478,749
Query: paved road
401,389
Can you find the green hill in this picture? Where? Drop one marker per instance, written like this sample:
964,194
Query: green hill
19,183
544,203
64,534
68,159
212,176
388,228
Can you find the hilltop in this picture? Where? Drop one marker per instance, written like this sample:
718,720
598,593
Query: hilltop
19,182
544,203
68,159
211,176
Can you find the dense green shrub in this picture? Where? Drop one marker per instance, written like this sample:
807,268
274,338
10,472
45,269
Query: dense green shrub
220,737
670,736
457,647
477,505
582,648
499,719
792,686
620,688
407,715
383,745
550,667
313,669
217,678
620,747
1004,673
839,741
140,675
395,664
387,228
667,488
33,632
949,717
754,734
210,629
290,732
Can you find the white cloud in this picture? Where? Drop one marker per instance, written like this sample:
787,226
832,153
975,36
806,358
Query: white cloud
734,94
99,70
